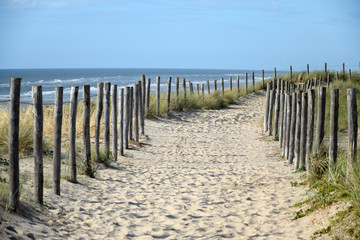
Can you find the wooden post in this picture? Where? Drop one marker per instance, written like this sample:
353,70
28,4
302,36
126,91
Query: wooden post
158,96
143,93
86,130
177,91
136,112
333,136
168,96
148,83
127,117
191,88
215,85
304,109
276,114
352,130
343,71
310,128
298,130
114,121
349,77
292,129
14,172
307,69
222,86
281,115
246,83
267,104
141,109
290,73
203,90
107,87
320,121
208,86
288,125
253,81
328,81
230,83
99,109
72,148
58,113
121,113
38,144
283,122
271,108
131,113
263,79
184,90
274,73
197,89
325,68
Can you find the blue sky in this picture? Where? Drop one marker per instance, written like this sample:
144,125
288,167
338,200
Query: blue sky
222,34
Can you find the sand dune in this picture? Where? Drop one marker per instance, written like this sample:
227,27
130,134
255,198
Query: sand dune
200,175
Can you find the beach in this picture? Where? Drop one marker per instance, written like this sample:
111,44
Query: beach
202,174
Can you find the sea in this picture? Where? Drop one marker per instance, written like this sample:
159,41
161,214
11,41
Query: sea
122,77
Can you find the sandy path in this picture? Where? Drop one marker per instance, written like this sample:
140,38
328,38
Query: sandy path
202,175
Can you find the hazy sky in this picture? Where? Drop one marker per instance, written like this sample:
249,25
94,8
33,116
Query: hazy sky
223,34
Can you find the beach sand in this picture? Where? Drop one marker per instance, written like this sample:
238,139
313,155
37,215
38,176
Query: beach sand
199,175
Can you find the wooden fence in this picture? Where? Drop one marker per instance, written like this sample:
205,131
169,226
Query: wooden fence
133,106
296,111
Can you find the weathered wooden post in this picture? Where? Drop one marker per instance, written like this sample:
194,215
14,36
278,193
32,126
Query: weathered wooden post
230,83
288,125
86,130
325,69
121,113
253,81
58,113
290,73
168,96
203,90
215,85
99,109
333,136
274,73
127,117
177,91
304,110
307,69
238,84
271,108
143,92
283,123
320,121
197,89
72,134
222,86
298,130
343,71
277,113
292,128
189,86
208,86
131,114
148,83
263,79
114,121
184,91
158,96
136,112
267,104
246,83
328,81
281,114
107,87
352,130
310,128
38,144
14,172
349,77
141,109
